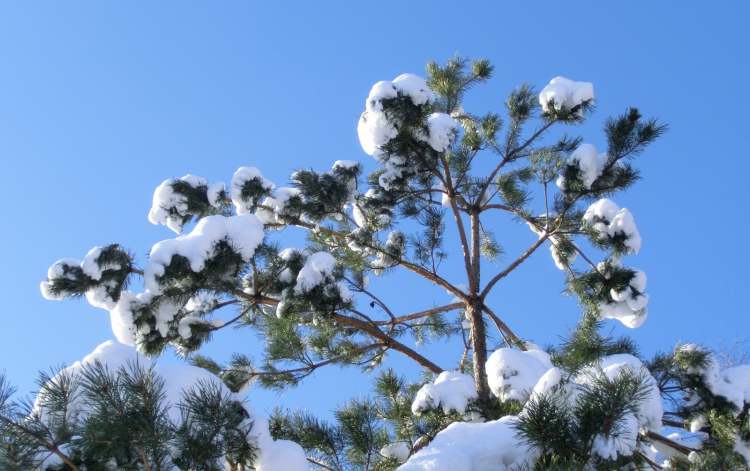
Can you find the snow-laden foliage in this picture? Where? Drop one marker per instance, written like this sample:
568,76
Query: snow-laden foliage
584,164
614,225
114,398
177,200
248,187
467,446
101,276
237,235
591,402
565,94
451,391
513,373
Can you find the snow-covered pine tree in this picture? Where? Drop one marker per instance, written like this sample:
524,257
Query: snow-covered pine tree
505,403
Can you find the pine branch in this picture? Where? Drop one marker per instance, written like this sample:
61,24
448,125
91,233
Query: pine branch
389,341
421,314
652,463
507,271
307,370
684,449
366,327
430,276
457,216
50,446
510,155
504,329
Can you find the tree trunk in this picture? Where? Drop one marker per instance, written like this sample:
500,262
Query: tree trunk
475,313
479,347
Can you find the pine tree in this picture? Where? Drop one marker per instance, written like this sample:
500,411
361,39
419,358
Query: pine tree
589,403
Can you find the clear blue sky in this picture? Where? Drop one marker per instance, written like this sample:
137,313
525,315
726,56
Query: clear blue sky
100,101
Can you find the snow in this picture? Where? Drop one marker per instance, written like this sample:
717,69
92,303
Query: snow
202,302
442,131
394,169
650,410
215,193
732,383
177,377
344,291
345,164
546,383
589,161
374,128
168,207
97,296
398,450
451,390
274,455
621,442
121,316
464,446
374,131
560,262
244,233
607,219
661,452
317,269
239,179
359,216
562,93
512,374
414,87
383,90
738,378
629,305
89,264
743,449
276,203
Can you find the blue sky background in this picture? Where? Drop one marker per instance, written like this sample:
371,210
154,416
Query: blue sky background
101,101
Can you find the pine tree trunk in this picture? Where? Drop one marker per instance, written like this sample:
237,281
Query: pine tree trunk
474,312
479,347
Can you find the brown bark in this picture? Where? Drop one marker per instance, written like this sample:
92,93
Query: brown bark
388,341
479,351
474,313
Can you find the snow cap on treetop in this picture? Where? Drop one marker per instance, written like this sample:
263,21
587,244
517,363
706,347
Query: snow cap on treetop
375,128
562,93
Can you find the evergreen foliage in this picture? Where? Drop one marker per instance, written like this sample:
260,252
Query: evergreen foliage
589,403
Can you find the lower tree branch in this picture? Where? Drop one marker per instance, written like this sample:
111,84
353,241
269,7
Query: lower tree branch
513,265
503,328
433,277
421,314
370,329
388,341
684,449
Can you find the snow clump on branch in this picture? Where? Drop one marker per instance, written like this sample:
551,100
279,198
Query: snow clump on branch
628,305
451,390
248,186
465,446
177,200
273,455
565,94
375,128
512,374
242,233
614,225
589,165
